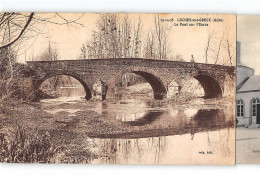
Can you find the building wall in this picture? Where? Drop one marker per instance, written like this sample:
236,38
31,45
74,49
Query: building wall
243,73
247,98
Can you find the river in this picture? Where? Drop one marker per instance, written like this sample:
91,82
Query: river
166,134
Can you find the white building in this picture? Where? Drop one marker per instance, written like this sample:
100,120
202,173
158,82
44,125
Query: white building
248,94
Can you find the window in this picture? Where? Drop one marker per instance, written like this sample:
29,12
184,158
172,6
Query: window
240,108
254,106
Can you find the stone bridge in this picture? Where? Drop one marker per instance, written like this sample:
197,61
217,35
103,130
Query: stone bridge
214,79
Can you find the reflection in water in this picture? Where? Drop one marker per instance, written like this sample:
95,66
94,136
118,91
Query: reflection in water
135,113
176,149
161,135
149,117
129,151
190,112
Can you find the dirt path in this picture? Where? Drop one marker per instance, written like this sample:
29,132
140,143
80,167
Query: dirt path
247,145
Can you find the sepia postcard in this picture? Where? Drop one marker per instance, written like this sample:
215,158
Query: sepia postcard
248,89
123,88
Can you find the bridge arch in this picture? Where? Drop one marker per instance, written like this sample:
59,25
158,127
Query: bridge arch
39,82
153,79
211,86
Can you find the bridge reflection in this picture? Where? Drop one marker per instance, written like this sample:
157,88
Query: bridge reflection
148,122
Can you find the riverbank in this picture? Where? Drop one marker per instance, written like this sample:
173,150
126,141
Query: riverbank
70,122
30,118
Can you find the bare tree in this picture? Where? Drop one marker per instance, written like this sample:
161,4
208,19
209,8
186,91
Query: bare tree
137,42
162,30
103,42
219,48
13,26
119,36
116,36
207,48
157,40
125,36
229,48
149,46
16,28
159,34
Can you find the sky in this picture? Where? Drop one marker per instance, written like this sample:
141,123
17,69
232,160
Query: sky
248,33
185,41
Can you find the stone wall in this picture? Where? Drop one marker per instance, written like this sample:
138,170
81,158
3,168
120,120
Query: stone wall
159,73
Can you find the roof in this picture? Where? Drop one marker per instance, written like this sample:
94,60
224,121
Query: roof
252,84
243,65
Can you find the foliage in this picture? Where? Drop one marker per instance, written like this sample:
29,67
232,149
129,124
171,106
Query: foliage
14,77
23,147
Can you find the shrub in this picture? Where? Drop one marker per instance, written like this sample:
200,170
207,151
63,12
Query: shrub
22,147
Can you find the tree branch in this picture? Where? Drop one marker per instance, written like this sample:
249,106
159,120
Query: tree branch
21,33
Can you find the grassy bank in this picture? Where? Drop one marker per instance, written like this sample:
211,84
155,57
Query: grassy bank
30,135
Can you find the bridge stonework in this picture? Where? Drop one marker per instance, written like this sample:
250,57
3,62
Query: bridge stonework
159,73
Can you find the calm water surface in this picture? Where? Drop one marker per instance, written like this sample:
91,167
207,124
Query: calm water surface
191,135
